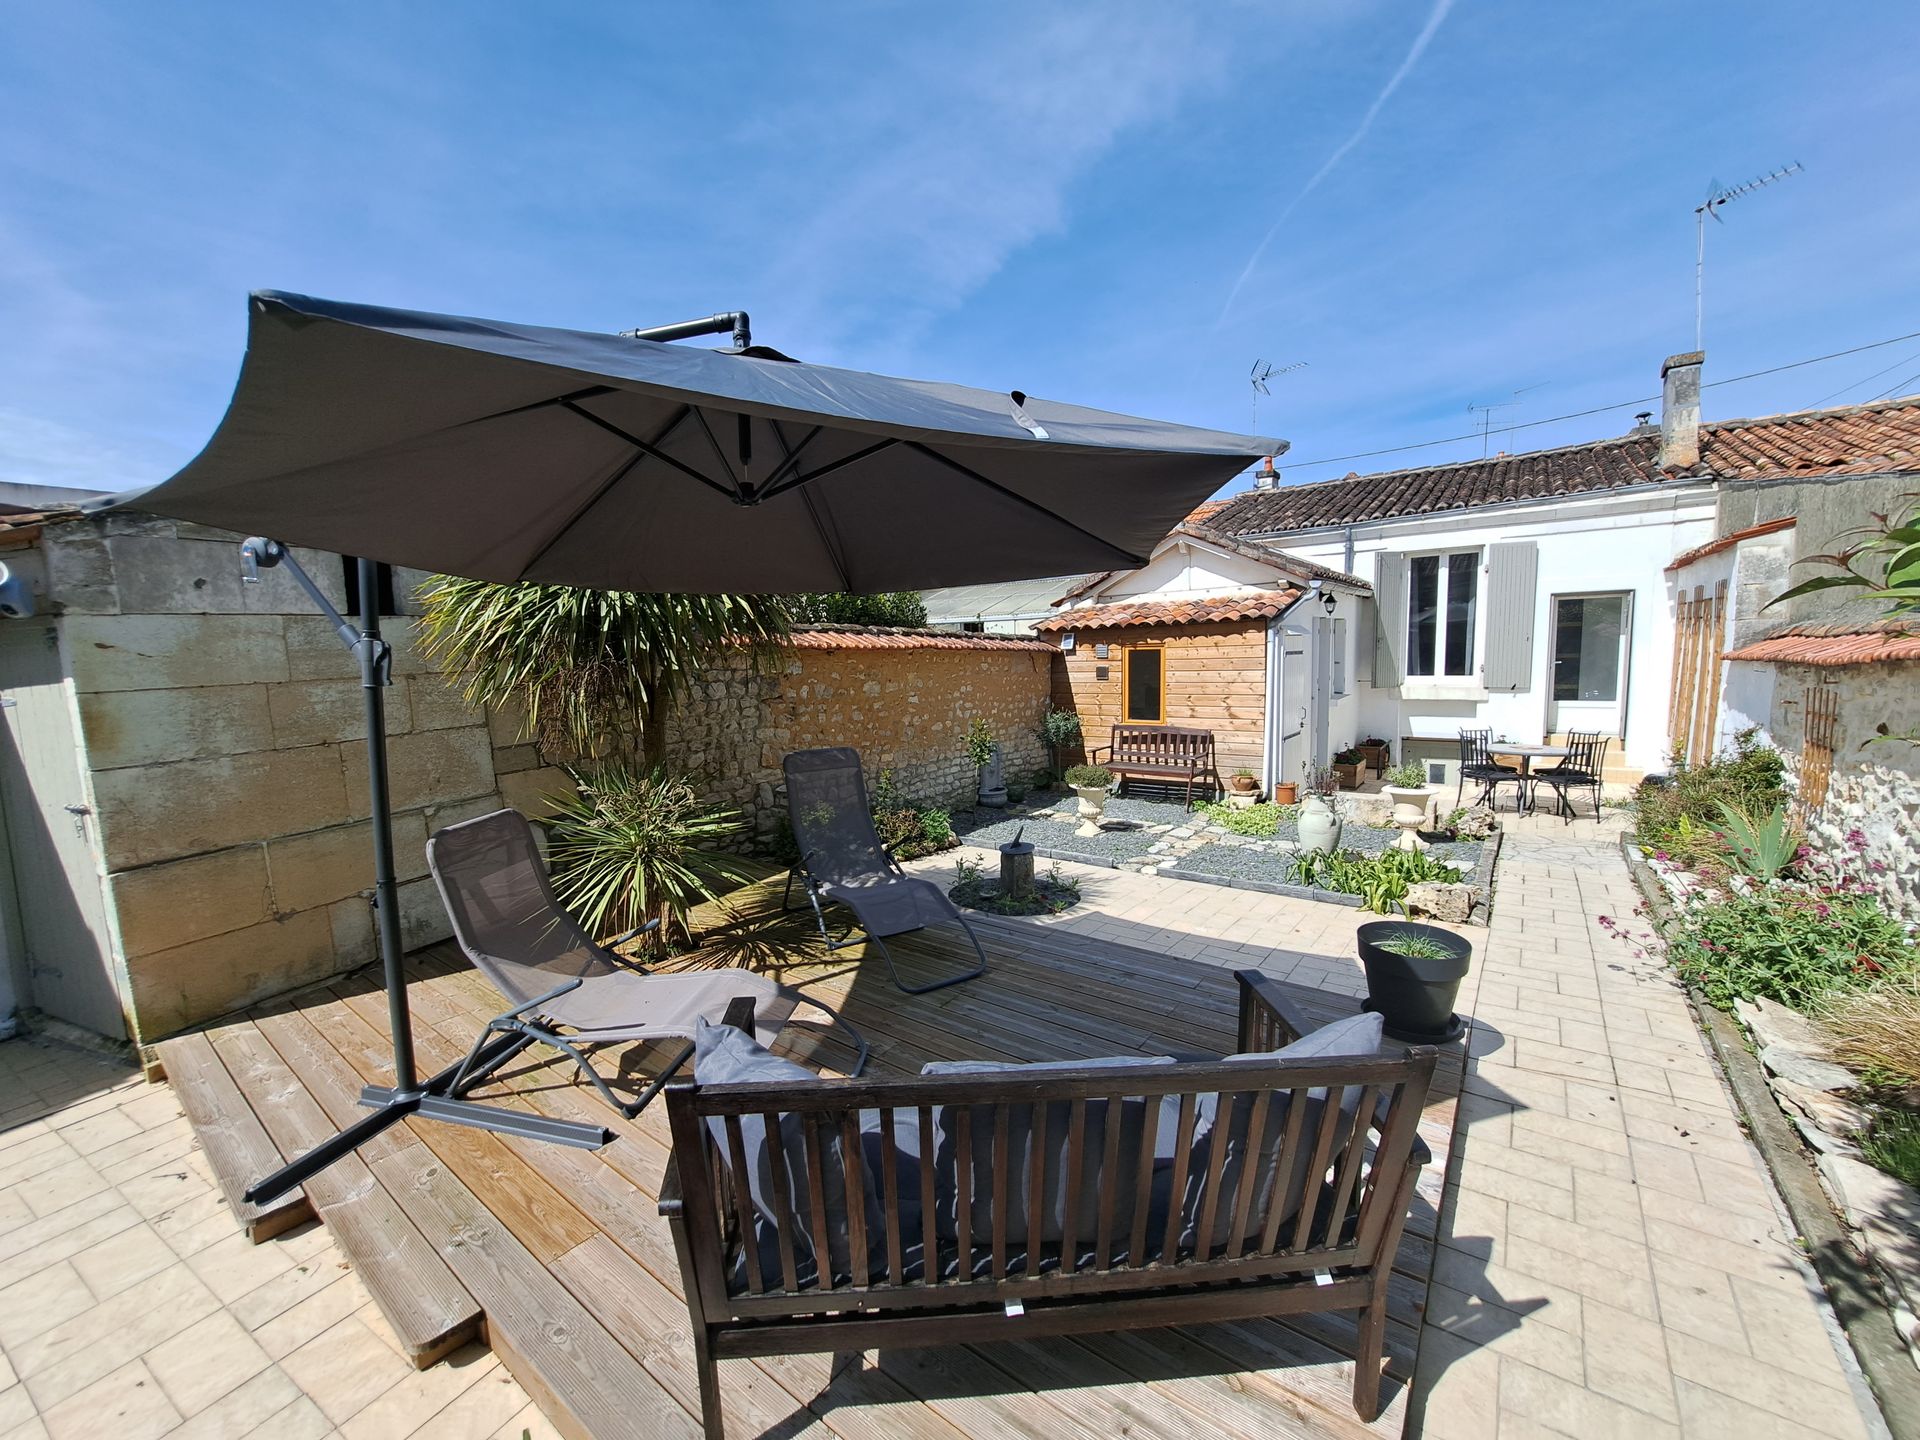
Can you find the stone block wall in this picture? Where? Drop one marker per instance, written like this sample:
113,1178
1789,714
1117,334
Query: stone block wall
905,709
225,747
1871,819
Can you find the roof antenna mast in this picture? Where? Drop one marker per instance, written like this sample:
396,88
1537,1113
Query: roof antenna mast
1261,373
1717,196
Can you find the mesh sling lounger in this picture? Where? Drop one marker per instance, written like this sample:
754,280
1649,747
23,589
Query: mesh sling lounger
842,859
565,989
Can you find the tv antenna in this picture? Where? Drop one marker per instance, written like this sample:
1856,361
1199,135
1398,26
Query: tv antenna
1485,412
1263,372
1719,195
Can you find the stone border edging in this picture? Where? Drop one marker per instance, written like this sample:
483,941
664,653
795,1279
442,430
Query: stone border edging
1852,1289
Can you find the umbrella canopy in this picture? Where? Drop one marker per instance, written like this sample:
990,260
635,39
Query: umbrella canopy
514,452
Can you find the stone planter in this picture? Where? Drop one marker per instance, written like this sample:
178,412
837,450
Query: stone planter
1093,806
1410,808
1414,994
1318,825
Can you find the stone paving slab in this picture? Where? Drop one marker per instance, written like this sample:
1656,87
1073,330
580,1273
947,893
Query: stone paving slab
132,1306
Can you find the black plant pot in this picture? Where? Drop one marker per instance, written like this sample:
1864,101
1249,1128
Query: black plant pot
1413,994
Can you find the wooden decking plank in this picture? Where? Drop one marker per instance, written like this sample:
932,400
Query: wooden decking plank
650,1322
429,1310
333,1083
584,1381
231,1136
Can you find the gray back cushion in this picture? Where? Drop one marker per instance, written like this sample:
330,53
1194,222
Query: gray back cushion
1357,1037
1051,1205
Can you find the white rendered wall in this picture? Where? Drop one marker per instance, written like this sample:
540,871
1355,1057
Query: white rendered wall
1618,541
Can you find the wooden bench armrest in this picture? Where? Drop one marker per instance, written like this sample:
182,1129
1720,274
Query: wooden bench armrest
670,1205
1261,998
1417,1154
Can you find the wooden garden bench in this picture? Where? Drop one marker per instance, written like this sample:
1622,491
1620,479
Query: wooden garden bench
919,1194
1158,752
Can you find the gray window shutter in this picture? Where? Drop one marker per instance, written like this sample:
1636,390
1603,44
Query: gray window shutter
1390,621
1513,571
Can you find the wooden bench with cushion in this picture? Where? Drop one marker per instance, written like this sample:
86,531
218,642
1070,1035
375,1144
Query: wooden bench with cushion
985,1201
1158,752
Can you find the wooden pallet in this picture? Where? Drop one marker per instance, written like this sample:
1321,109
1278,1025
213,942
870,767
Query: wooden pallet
564,1251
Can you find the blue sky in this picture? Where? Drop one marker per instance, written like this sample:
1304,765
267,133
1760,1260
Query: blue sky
1120,204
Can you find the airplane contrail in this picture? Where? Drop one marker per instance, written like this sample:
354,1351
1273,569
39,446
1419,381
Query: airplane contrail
1420,42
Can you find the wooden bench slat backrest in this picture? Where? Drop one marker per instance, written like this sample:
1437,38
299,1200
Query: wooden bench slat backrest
1161,745
1350,1185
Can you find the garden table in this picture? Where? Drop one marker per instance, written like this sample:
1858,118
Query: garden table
1526,755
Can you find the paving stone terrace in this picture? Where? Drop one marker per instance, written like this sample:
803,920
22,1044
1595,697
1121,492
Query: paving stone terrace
1609,1258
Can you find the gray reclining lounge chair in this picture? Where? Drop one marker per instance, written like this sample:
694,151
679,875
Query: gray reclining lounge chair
566,990
842,860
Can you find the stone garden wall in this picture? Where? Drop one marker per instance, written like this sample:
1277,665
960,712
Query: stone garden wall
1871,819
905,706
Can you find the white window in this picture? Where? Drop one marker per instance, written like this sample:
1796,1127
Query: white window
1339,657
1443,603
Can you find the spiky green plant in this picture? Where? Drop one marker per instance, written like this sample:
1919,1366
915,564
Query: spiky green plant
635,845
595,670
1757,848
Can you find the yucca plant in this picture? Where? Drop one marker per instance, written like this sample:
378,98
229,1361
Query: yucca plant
596,670
1761,849
636,845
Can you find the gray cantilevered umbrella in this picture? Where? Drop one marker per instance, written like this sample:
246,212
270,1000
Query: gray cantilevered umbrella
513,452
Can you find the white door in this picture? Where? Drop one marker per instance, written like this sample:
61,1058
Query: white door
1590,651
1292,718
51,837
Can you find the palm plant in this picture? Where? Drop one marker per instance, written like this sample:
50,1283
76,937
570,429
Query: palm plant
597,671
636,845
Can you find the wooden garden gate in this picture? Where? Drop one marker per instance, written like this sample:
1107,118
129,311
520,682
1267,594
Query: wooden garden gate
1699,642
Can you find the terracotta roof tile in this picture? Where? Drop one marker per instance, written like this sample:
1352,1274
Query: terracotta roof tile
1220,609
1855,440
880,637
1836,645
1728,541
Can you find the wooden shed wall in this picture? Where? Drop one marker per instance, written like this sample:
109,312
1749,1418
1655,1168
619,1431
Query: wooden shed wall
1216,679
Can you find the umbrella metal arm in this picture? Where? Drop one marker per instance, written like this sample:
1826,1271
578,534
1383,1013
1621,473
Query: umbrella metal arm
727,322
437,1097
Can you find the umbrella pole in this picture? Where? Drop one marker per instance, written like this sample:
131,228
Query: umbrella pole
438,1097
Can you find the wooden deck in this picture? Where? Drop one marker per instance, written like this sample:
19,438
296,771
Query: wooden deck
561,1254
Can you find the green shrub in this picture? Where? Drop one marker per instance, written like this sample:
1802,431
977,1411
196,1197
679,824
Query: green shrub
633,845
1060,728
1261,821
1792,943
1408,776
1674,820
898,607
979,743
936,827
1381,881
1089,777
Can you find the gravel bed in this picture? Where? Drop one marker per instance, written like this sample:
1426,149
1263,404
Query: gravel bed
1047,833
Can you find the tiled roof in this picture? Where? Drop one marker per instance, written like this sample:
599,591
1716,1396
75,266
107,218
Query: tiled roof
1855,440
1728,541
1836,644
1263,554
886,637
1220,610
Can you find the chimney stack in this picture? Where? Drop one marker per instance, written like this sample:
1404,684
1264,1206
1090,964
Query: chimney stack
1680,411
1266,477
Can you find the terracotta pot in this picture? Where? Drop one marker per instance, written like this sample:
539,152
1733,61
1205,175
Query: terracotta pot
1286,793
1243,784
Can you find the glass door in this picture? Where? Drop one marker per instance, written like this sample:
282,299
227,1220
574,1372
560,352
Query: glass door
1590,663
